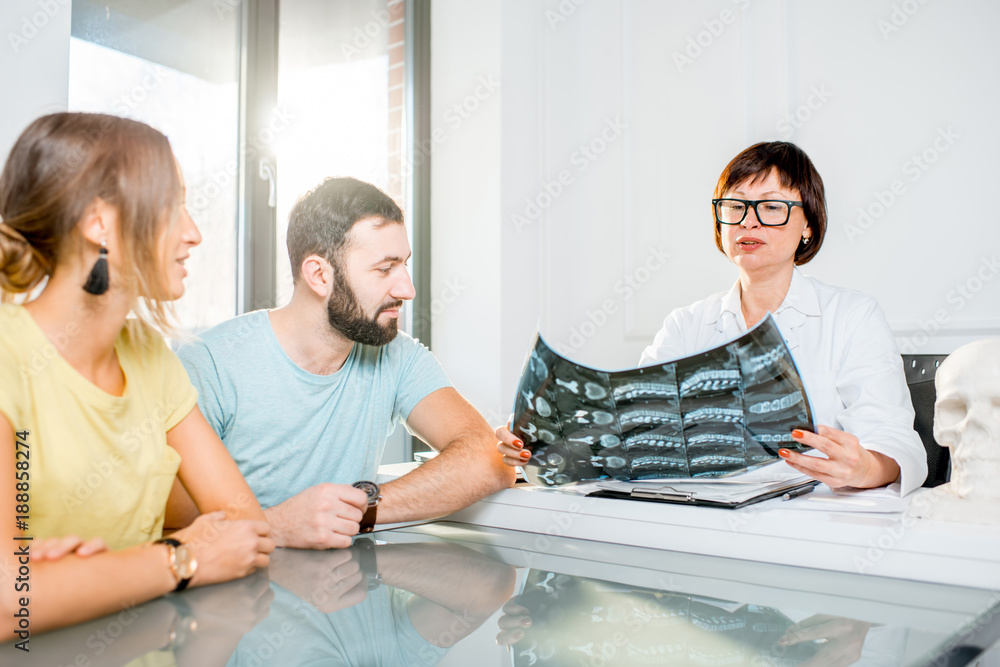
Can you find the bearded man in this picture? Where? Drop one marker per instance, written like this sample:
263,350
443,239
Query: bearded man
304,396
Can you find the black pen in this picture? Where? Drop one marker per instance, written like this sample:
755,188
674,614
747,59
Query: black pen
801,491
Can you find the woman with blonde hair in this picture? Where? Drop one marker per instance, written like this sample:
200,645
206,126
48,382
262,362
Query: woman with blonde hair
97,416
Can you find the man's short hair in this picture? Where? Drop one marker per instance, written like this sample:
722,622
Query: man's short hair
321,220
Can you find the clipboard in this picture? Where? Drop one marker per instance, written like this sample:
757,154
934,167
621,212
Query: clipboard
662,495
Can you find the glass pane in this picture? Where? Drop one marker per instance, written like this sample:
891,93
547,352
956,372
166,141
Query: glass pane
341,87
730,211
175,66
773,212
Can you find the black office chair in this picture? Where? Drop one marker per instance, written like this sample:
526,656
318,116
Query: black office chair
920,370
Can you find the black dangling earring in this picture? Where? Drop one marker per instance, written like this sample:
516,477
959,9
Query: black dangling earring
97,281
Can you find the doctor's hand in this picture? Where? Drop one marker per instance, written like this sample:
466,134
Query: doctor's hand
324,516
515,620
511,447
847,462
840,640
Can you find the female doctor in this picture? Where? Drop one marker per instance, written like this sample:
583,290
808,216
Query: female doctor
770,217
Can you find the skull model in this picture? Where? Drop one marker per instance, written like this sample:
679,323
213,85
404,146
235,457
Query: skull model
967,422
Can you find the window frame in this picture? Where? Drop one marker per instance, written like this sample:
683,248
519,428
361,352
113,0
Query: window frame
256,210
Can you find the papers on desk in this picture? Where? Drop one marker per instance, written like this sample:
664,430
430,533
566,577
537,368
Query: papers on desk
760,484
767,482
884,500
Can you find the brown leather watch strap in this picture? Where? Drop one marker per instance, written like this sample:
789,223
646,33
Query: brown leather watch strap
368,520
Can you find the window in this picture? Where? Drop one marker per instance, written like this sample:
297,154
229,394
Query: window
341,85
174,66
261,100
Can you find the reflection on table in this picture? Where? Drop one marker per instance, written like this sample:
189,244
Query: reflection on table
201,626
566,620
385,604
451,595
406,606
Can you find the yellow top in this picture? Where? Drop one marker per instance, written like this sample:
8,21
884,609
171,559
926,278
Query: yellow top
99,465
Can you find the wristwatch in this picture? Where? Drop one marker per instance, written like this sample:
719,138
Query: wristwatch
365,548
374,495
185,623
183,564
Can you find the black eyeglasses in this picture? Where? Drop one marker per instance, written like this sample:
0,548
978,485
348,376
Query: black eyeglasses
769,212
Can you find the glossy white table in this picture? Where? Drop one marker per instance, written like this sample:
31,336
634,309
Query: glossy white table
882,545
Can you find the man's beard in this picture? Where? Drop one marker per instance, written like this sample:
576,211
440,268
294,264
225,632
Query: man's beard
348,318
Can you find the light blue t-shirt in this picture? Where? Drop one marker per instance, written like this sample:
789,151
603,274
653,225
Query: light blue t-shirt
377,632
289,429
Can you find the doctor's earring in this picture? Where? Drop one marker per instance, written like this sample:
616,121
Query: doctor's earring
806,240
97,279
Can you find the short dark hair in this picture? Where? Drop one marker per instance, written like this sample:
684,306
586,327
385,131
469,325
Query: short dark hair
321,220
795,170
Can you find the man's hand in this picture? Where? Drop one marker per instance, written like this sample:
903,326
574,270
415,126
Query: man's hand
325,516
328,581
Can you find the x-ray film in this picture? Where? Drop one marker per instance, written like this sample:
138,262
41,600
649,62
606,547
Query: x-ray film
716,413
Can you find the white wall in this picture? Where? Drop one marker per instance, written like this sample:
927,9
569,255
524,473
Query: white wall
566,71
665,94
34,63
465,204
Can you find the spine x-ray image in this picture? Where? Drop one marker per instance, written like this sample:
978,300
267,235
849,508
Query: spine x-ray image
716,413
